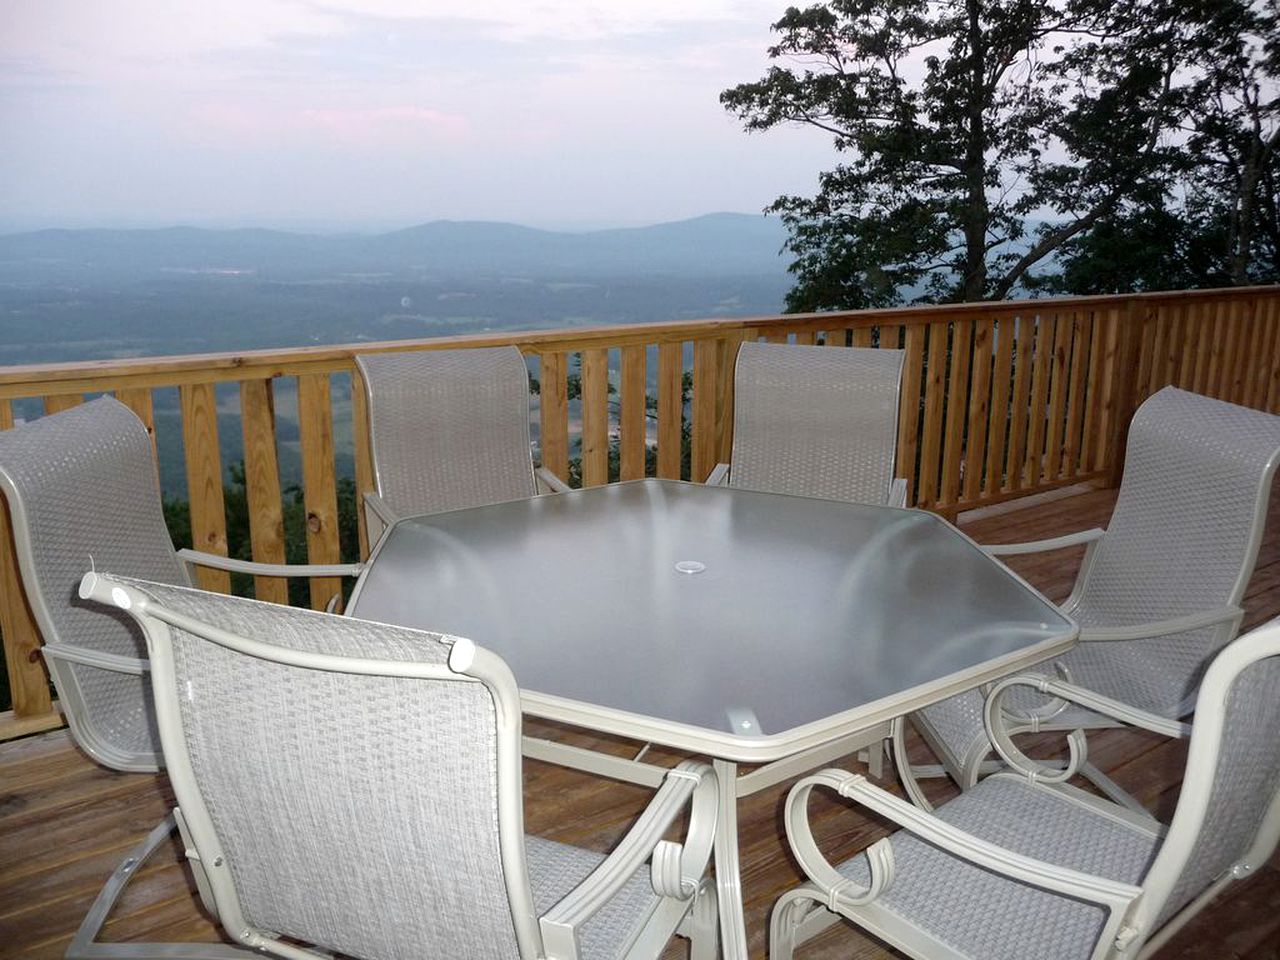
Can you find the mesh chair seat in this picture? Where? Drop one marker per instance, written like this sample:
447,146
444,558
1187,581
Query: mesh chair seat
356,786
449,428
1182,540
82,488
556,868
977,912
1019,866
816,421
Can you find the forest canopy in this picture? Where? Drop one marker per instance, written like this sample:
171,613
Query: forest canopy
994,147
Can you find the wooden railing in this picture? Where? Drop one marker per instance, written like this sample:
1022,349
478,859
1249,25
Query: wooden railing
999,400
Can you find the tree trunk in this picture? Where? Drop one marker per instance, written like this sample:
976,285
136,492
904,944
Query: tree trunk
976,214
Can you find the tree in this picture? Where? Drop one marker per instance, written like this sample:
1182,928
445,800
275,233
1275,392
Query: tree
978,138
1217,224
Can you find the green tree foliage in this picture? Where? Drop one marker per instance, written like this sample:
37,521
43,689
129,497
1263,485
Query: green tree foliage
1216,221
177,515
983,142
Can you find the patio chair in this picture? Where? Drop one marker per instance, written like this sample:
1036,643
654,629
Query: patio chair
1158,592
449,430
815,422
357,788
81,488
1019,867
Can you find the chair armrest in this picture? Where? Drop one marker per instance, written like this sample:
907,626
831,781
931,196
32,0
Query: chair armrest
677,868
1040,546
1162,628
1039,873
96,658
898,492
549,480
719,476
1000,733
271,569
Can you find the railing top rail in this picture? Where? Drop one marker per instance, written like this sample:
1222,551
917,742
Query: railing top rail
87,375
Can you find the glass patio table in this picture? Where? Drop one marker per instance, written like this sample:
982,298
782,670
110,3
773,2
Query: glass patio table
752,628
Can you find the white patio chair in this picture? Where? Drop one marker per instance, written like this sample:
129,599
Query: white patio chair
449,430
357,788
1158,593
81,488
1022,867
815,422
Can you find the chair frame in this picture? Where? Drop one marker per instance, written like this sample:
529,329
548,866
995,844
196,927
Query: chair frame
967,770
1132,909
896,496
379,515
677,871
60,655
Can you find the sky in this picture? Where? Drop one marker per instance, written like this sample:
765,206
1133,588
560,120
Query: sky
371,114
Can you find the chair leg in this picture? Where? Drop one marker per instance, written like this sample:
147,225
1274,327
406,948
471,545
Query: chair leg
1111,789
84,945
704,925
786,916
906,773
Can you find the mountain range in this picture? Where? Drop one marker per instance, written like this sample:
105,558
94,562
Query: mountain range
720,244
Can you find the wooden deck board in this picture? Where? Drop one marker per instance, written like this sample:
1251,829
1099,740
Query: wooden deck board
64,822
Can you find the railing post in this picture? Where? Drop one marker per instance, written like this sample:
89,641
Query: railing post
1128,353
28,679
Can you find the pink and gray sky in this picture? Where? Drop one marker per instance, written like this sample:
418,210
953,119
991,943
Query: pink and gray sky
379,113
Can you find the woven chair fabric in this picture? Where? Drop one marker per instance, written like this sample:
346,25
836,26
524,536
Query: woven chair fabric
815,421
985,915
1245,780
556,868
86,478
449,428
1178,543
354,812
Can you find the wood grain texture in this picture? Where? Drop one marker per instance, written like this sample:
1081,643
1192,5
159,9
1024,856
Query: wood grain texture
204,480
1080,340
705,390
262,486
319,483
1041,369
553,412
28,678
633,418
958,377
1001,389
931,429
595,417
139,401
362,444
58,402
670,409
909,408
1058,395
1019,420
975,443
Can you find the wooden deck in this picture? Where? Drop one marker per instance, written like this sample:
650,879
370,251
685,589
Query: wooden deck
65,822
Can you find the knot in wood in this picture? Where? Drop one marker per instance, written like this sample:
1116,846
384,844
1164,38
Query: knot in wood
313,523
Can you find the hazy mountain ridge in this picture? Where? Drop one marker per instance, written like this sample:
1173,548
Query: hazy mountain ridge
715,244
102,294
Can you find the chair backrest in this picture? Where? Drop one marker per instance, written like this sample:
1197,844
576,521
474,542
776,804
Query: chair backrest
816,421
1183,538
1229,810
449,428
82,487
345,783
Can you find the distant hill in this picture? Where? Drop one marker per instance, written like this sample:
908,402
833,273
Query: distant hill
720,244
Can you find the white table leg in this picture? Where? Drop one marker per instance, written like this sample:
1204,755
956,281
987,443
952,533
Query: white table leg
733,927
